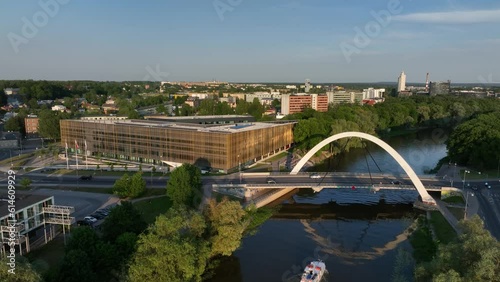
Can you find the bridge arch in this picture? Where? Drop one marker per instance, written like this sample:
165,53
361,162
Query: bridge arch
426,198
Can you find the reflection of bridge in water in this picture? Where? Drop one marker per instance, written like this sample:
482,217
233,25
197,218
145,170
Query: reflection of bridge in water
332,210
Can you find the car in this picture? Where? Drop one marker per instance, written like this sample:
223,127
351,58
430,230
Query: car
474,187
396,182
97,216
86,177
315,176
271,181
90,219
83,223
103,212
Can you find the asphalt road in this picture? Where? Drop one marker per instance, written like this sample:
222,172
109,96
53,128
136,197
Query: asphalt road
489,199
489,207
46,180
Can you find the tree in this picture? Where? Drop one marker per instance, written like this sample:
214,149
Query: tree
15,124
474,256
48,125
23,271
137,186
172,249
121,186
124,218
25,183
184,186
227,223
161,109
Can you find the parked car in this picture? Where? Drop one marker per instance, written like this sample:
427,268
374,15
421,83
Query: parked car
396,182
315,176
86,177
90,219
83,223
97,216
103,212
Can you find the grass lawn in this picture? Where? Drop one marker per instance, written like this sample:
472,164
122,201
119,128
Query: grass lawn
150,209
17,160
454,200
146,174
149,191
444,232
277,157
457,212
48,256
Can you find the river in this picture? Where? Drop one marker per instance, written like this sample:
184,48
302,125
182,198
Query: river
359,234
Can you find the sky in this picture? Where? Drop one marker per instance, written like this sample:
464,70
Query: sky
325,41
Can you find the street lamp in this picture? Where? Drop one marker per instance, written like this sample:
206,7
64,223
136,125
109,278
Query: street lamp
467,203
453,176
465,171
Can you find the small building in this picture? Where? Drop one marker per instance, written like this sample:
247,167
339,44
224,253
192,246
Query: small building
31,125
59,108
11,91
10,140
31,213
440,88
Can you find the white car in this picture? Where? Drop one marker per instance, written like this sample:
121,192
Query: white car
315,176
90,219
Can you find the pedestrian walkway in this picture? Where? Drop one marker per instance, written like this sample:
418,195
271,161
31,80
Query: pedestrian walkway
471,209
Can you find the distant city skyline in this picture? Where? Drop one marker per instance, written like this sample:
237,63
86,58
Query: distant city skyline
251,41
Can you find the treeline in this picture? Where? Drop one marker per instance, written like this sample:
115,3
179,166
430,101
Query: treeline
394,113
476,142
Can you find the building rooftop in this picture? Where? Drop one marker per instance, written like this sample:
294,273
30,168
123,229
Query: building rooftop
199,117
21,201
225,128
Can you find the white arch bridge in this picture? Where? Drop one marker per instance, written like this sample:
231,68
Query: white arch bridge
417,183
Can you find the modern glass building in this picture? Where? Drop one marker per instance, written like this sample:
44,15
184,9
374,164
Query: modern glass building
222,147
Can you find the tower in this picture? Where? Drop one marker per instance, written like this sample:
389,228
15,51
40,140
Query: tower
427,83
402,82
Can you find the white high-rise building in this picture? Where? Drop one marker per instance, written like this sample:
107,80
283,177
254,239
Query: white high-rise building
402,82
372,93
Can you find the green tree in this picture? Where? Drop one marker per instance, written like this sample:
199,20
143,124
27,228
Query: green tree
172,249
25,183
137,186
474,256
121,186
23,271
15,124
124,218
184,186
48,125
161,109
227,223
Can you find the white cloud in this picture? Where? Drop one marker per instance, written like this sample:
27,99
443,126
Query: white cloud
456,17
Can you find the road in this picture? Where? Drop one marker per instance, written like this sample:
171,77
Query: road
41,179
489,199
489,207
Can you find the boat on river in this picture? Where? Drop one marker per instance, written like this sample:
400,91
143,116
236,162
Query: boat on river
314,271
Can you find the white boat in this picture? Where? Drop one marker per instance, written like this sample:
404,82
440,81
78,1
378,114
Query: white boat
314,271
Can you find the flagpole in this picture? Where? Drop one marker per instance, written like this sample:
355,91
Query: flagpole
67,157
76,156
86,161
